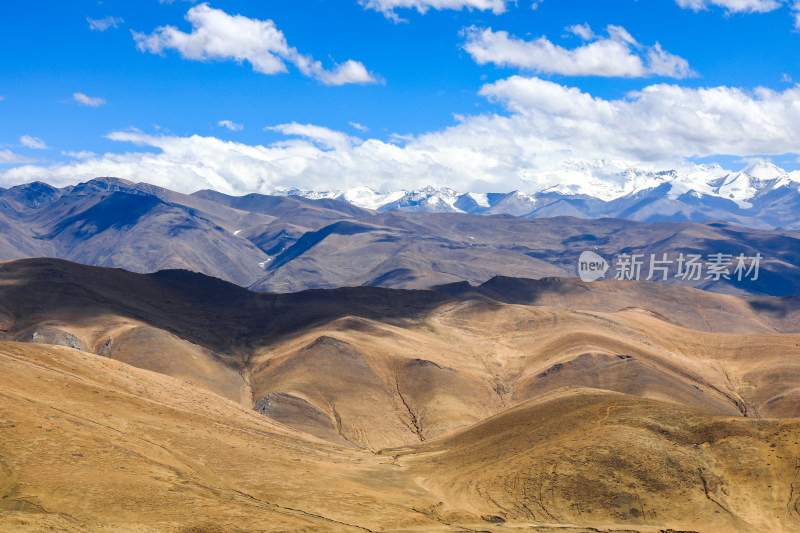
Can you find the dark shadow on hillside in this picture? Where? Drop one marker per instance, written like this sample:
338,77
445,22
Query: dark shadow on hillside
207,311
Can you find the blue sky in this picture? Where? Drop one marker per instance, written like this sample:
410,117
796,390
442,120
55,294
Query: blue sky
466,93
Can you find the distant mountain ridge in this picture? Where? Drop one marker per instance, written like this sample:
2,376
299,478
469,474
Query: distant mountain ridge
762,195
292,243
356,409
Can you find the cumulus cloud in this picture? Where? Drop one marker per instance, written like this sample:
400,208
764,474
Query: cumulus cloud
90,101
546,127
745,6
348,72
82,154
7,157
733,6
33,142
796,14
233,126
217,35
319,135
387,7
617,55
359,127
104,24
658,121
662,63
582,30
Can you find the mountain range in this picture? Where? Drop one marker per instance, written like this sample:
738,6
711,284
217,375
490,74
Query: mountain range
290,243
174,401
761,195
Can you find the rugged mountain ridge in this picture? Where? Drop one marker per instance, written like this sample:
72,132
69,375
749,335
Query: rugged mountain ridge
761,195
291,243
172,400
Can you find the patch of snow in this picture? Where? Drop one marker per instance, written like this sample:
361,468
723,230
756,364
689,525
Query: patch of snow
601,179
764,170
738,187
369,198
481,199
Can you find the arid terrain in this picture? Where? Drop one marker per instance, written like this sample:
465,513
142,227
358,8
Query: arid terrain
290,243
400,266
178,402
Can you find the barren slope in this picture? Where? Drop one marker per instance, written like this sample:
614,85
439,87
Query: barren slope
376,368
89,443
385,385
550,403
607,460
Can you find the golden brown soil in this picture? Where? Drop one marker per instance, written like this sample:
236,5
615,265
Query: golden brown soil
456,414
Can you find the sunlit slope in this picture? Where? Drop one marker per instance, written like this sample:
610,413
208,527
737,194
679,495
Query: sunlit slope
381,385
373,368
615,462
91,443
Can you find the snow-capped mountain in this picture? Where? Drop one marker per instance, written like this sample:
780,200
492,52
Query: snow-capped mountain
760,195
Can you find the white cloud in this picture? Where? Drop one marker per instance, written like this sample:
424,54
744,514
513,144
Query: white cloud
582,30
796,14
2,98
82,99
83,154
618,55
33,142
359,127
387,7
348,72
662,63
745,6
104,23
233,126
217,35
733,6
657,122
7,157
324,137
547,128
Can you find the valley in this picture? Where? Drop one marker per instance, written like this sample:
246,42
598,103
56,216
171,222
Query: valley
290,243
544,405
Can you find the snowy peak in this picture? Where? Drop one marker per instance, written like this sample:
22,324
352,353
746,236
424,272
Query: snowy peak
604,180
431,199
609,189
480,199
764,171
369,198
311,195
739,187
